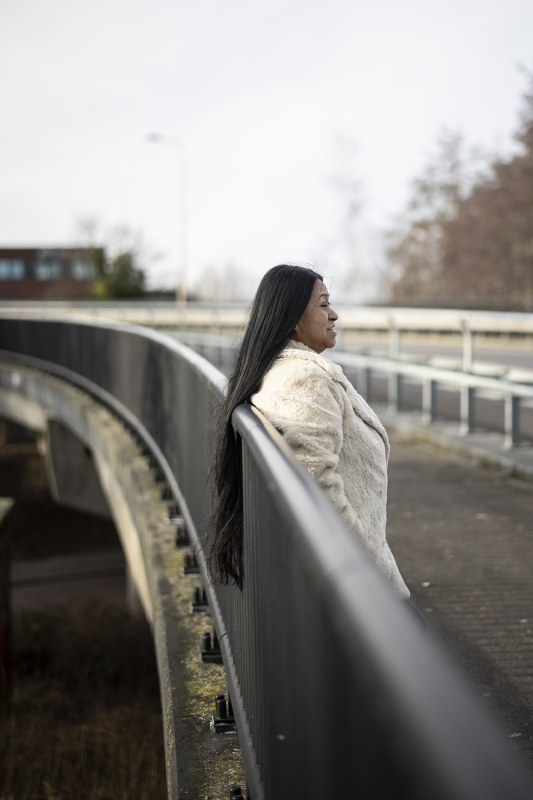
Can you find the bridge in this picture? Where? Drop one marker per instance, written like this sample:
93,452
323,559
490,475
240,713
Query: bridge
334,690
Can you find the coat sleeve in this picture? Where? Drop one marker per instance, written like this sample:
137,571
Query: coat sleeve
303,404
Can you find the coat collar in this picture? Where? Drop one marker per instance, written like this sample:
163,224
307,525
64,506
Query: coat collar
300,351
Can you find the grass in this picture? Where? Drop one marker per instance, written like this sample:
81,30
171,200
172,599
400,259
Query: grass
85,720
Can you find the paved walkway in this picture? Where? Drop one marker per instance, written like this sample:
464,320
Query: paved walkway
467,531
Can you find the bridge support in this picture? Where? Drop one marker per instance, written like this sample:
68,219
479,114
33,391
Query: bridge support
71,473
96,479
133,601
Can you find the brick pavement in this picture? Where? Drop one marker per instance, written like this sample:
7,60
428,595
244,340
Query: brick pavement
468,532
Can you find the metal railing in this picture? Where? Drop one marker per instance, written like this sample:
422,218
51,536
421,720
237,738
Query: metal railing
217,317
335,691
430,378
219,350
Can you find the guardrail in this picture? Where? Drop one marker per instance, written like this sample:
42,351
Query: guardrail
431,377
335,690
219,349
218,318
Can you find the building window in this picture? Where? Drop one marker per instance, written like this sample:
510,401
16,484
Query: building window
83,270
48,270
11,269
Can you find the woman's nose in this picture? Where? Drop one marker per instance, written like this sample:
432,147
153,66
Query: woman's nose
333,314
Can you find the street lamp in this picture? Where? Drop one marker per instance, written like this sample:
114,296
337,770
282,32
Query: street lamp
179,146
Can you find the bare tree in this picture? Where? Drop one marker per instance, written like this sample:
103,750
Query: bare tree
489,242
466,235
415,245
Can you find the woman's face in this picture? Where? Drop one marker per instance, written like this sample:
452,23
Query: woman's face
316,327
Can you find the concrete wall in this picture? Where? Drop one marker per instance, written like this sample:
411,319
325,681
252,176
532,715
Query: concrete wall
71,471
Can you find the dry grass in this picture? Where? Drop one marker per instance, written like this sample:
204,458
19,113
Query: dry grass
86,715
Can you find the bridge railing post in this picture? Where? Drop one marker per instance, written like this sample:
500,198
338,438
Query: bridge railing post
511,420
429,401
468,347
394,339
341,343
364,386
395,392
467,410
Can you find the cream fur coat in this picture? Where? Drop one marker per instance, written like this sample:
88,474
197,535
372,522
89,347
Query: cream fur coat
338,439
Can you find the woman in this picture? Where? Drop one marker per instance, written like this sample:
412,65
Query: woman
331,429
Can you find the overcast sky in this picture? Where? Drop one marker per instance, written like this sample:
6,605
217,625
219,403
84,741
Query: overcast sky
259,92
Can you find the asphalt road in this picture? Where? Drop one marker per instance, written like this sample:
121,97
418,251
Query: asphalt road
489,413
518,355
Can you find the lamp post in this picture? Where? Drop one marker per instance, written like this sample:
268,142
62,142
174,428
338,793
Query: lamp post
179,146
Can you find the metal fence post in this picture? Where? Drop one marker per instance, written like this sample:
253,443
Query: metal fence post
215,322
429,401
340,337
364,378
394,339
395,392
468,394
468,347
512,420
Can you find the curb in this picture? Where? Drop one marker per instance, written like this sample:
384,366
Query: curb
484,447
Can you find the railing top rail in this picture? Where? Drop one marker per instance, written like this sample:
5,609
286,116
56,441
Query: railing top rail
355,317
424,372
435,319
389,365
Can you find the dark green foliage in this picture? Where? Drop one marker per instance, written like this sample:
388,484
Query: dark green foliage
120,277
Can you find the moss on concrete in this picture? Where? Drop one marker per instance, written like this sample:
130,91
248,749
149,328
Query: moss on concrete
210,763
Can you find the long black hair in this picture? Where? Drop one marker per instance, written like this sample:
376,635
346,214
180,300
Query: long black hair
280,301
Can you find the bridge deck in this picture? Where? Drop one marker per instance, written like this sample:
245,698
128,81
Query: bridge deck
468,531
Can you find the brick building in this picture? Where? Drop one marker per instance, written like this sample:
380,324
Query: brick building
48,273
